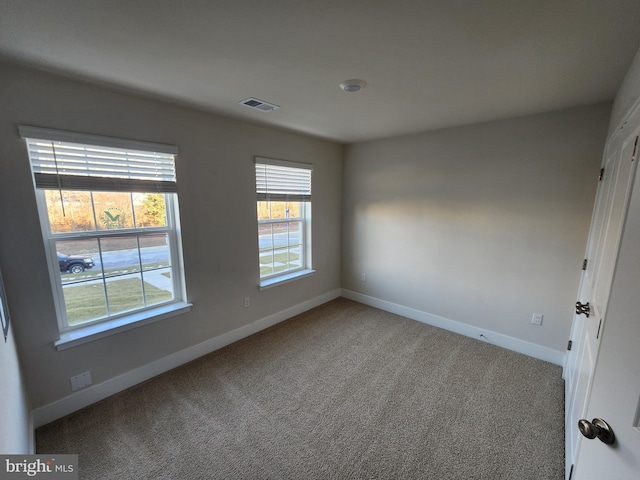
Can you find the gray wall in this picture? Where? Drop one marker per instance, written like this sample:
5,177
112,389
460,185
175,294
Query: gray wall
218,212
628,94
15,435
484,224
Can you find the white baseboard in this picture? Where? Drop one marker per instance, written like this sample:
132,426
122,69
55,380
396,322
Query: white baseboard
498,339
94,393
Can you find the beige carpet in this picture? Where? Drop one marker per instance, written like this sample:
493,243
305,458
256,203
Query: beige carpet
344,391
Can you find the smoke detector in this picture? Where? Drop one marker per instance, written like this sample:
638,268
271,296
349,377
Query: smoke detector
353,85
259,104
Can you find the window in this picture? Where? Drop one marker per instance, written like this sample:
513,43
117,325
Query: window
109,216
284,219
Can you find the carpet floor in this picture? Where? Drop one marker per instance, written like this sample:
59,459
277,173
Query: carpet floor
343,391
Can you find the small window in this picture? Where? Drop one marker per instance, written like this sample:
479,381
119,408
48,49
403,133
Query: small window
109,216
284,219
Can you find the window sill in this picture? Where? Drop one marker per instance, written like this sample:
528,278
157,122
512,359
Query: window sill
88,333
286,278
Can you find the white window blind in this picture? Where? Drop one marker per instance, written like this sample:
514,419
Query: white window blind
283,181
73,161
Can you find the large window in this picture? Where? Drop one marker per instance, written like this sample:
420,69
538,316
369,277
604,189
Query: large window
284,219
109,215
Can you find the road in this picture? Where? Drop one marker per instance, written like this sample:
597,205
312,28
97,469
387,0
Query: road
160,254
129,258
279,240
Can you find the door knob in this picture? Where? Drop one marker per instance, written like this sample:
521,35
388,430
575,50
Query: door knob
597,428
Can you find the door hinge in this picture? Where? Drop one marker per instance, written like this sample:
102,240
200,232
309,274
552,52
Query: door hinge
584,264
583,309
569,345
601,175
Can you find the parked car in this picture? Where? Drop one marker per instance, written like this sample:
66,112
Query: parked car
74,263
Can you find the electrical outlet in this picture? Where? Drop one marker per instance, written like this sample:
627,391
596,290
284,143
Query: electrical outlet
80,381
536,319
247,302
364,277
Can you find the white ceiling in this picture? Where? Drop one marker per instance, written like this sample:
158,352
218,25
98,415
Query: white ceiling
428,63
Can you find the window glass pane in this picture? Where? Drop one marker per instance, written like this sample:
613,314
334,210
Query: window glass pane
156,265
81,277
295,245
280,234
294,233
276,210
293,210
265,237
150,209
264,212
84,302
120,255
123,257
266,263
102,277
279,210
285,259
77,215
124,293
280,247
78,259
287,233
113,210
280,260
265,244
155,251
158,286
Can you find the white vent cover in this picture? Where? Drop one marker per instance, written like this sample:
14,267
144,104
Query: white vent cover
259,104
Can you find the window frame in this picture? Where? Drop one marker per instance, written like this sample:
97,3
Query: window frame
71,335
305,218
305,233
51,238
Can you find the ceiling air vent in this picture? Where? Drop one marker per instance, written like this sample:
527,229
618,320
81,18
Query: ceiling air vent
259,104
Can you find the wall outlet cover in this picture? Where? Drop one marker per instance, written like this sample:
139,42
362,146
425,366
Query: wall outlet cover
80,381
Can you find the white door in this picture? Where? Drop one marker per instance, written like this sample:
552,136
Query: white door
615,393
604,238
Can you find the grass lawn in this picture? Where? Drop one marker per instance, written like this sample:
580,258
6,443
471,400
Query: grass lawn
87,302
278,263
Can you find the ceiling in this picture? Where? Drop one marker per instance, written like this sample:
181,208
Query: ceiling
428,64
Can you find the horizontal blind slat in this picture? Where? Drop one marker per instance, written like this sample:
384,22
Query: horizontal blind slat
95,141
281,197
283,183
102,184
88,167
